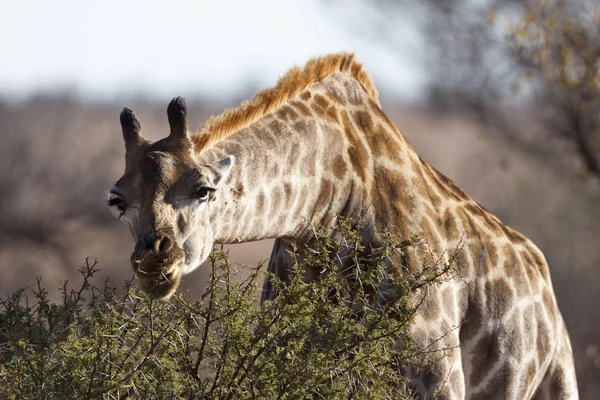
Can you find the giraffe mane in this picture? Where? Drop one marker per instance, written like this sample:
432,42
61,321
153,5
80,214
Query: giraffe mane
290,85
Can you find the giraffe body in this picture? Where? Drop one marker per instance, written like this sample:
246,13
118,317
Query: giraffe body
317,147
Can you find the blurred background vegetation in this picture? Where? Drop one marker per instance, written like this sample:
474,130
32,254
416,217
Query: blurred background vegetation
502,96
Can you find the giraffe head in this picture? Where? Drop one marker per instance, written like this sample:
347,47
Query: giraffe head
165,198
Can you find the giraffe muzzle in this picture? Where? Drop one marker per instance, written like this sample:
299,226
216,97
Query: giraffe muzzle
156,261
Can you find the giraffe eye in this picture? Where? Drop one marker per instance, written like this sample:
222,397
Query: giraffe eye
117,205
203,193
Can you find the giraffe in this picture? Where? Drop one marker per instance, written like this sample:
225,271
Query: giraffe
315,147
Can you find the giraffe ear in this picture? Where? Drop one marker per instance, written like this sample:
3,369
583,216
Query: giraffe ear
177,114
223,169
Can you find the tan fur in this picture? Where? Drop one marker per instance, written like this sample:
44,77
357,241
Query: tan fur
294,82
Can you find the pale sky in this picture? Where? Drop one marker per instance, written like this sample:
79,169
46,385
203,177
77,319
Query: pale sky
111,48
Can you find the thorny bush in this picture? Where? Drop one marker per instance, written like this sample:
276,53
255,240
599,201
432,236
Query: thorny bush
335,338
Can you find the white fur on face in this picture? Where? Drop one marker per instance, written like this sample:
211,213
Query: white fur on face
196,238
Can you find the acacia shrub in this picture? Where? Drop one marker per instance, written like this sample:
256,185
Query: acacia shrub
335,338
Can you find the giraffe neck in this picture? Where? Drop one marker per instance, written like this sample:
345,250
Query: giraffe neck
328,152
284,182
297,168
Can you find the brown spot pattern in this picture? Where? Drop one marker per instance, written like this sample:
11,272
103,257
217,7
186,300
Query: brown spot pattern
301,108
422,184
473,322
356,151
558,386
338,167
273,134
531,372
287,113
323,109
391,202
531,269
517,270
483,215
363,121
500,298
332,114
485,355
462,261
321,101
541,264
238,190
548,301
275,200
543,335
287,193
483,249
301,126
350,203
260,203
306,95
384,145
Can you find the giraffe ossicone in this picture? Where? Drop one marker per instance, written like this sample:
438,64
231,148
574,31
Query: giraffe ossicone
318,146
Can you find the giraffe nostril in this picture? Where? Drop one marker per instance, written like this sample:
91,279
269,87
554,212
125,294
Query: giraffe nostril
165,244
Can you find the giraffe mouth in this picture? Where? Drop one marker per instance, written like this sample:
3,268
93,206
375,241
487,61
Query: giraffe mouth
156,277
162,284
